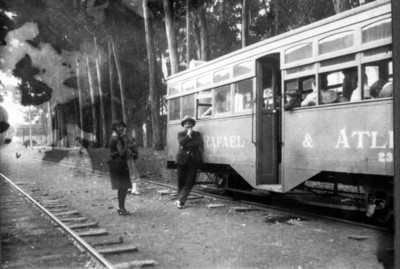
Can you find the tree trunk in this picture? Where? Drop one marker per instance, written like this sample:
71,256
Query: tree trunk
187,33
50,124
276,18
112,88
204,41
30,127
245,23
121,84
154,94
171,35
341,5
93,103
80,98
104,136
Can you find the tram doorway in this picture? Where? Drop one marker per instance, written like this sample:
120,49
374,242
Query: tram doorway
268,119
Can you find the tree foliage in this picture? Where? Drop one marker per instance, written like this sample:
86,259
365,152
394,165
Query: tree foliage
42,41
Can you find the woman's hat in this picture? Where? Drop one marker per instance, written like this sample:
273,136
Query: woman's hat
188,118
293,92
118,122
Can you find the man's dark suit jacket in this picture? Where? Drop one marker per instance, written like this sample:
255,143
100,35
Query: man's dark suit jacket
189,147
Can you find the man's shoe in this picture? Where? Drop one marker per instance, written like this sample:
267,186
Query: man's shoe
180,205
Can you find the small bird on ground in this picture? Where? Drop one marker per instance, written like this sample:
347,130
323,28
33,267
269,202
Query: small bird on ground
17,155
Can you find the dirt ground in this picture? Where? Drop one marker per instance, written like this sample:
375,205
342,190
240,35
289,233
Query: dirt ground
198,236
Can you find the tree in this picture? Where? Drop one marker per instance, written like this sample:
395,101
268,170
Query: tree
171,36
154,96
245,22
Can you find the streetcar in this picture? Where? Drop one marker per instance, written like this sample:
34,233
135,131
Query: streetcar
252,142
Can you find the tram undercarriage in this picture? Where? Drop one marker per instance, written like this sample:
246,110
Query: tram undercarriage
369,193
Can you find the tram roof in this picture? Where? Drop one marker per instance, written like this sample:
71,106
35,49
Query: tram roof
338,17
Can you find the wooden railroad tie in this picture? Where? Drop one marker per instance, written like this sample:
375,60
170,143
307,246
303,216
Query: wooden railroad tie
83,225
96,232
117,249
135,264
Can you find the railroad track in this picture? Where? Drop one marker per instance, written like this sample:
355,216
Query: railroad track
314,206
63,228
254,205
244,202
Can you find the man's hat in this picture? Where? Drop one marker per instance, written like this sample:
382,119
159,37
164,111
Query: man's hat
188,118
293,92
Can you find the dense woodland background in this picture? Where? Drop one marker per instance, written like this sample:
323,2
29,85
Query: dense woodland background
83,63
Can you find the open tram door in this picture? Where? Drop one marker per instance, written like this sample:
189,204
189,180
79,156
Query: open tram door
267,117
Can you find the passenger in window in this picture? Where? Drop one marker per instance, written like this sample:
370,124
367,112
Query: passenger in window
293,98
387,90
349,84
247,100
376,87
311,98
327,96
356,95
221,103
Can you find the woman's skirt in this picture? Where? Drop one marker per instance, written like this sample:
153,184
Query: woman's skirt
120,178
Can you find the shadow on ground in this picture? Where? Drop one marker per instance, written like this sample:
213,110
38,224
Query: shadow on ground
55,155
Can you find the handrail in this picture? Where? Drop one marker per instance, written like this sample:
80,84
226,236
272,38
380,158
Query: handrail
253,140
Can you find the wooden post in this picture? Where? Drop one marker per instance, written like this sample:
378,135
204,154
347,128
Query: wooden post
396,125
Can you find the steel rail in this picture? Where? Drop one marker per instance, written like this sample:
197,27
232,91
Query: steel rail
91,251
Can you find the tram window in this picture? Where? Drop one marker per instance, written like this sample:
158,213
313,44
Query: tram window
221,75
203,81
174,109
380,78
378,30
336,42
331,87
188,85
242,69
174,89
222,99
188,105
204,104
298,91
243,95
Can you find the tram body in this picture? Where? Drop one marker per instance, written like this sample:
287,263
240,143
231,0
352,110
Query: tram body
272,149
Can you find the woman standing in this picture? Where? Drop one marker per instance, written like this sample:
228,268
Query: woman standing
119,171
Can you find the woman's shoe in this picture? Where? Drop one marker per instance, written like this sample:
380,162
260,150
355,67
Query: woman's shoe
123,212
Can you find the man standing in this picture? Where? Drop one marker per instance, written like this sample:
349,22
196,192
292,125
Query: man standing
188,159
